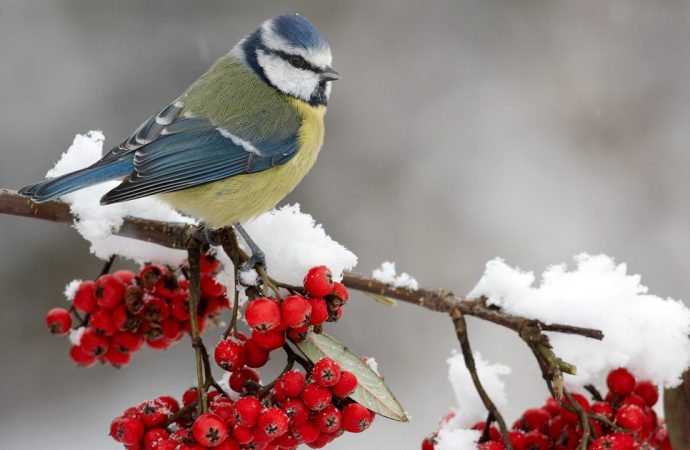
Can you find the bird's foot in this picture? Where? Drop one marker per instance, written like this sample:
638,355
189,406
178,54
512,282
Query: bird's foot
257,259
211,237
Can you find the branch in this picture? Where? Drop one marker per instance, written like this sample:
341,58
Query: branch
179,235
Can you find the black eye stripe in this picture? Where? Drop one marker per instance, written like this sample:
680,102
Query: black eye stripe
305,64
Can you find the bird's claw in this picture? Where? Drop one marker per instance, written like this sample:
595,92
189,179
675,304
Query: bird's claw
258,258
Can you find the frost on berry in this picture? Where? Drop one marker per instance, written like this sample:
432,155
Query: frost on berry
326,372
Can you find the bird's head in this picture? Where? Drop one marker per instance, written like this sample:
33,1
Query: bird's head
290,54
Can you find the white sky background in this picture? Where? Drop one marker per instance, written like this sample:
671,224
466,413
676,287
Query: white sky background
457,134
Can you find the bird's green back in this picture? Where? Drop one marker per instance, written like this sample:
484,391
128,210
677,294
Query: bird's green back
233,97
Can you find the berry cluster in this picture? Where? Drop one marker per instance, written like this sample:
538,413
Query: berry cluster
117,313
295,410
623,420
273,321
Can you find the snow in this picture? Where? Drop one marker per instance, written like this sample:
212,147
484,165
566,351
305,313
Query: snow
470,407
642,332
373,365
387,274
71,289
457,439
97,223
292,240
75,335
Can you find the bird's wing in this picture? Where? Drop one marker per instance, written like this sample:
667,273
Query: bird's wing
189,152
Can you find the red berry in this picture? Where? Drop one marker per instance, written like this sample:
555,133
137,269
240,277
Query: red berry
247,411
179,306
292,383
306,432
567,438
429,442
535,440
329,419
59,321
172,329
125,276
210,287
82,358
356,418
319,281
209,263
630,417
263,314
615,441
552,407
224,408
190,396
620,381
633,399
326,372
101,320
517,438
298,335
150,274
340,291
240,377
129,430
228,444
287,441
156,309
494,434
603,409
116,357
533,419
167,285
110,291
93,343
242,435
230,354
316,397
255,355
209,430
154,436
296,410
346,385
272,340
295,311
273,422
84,299
170,405
152,413
647,391
319,311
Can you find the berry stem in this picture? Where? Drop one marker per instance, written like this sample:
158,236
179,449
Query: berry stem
461,332
596,395
194,258
288,366
582,415
108,265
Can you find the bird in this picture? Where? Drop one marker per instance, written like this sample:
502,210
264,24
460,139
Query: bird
235,143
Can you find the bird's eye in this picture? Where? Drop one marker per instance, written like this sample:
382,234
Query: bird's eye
297,61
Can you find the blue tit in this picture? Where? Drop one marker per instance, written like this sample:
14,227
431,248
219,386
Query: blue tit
236,142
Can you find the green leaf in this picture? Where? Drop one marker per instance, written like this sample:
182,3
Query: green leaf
386,301
677,413
371,391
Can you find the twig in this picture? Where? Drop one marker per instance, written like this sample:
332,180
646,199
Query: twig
461,331
194,257
594,392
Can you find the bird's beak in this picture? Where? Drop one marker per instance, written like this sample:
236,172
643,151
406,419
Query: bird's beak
329,74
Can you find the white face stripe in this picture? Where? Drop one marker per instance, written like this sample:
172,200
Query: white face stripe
300,83
319,57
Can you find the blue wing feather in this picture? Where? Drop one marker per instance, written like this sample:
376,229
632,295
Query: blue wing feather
193,154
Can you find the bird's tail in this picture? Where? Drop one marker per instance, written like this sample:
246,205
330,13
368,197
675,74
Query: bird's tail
55,187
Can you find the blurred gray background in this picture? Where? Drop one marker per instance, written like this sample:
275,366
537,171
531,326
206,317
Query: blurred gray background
461,131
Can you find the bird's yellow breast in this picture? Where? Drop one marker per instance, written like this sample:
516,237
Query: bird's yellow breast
243,197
